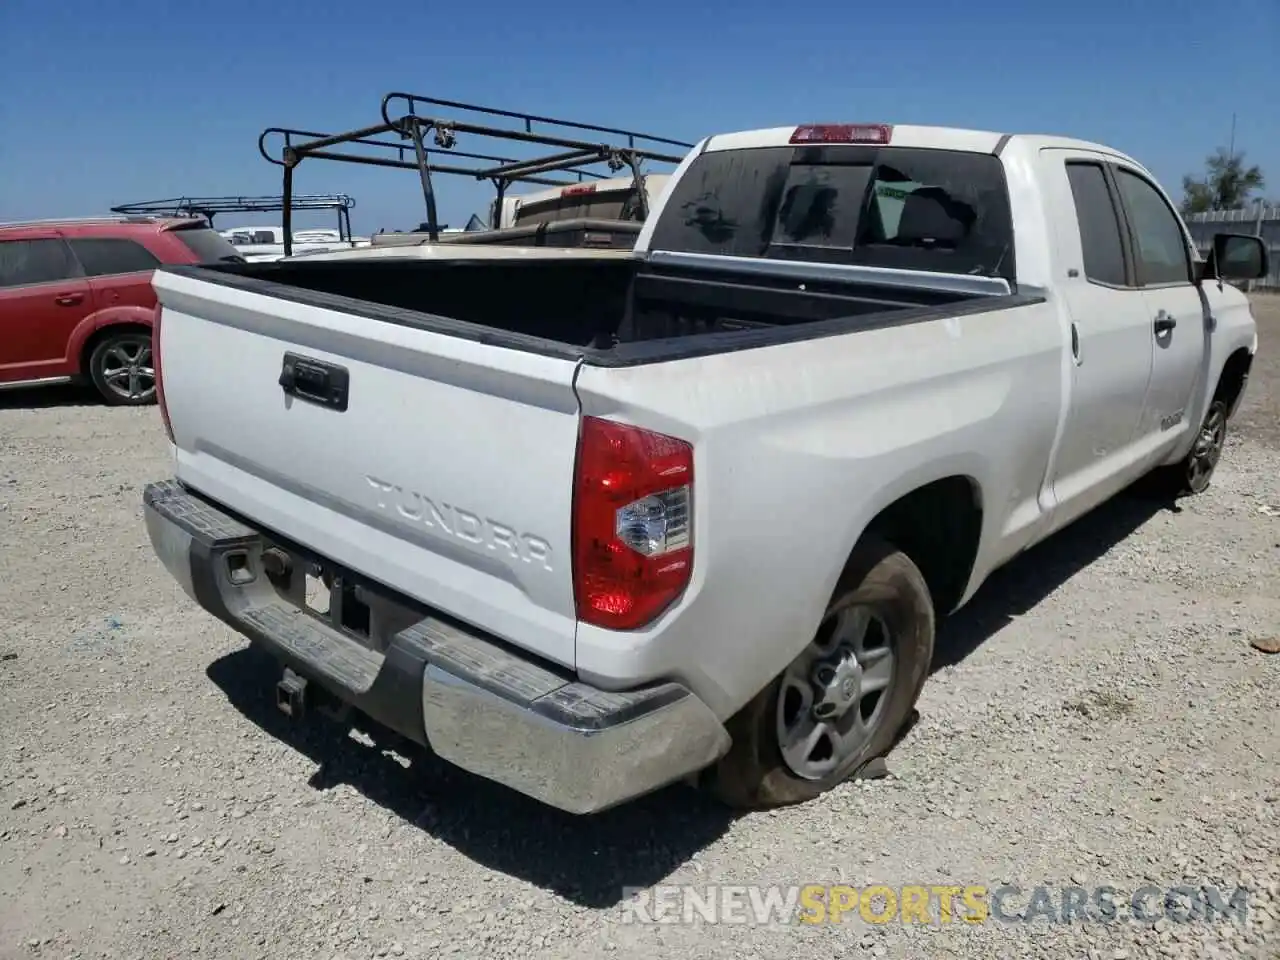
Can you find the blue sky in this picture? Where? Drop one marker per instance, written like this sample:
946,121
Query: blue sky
106,102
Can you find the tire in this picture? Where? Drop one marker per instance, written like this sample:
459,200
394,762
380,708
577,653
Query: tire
1193,474
121,369
882,584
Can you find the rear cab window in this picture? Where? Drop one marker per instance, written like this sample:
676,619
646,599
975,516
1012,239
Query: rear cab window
207,244
907,208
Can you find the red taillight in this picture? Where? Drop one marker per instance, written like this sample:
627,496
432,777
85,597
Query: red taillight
632,524
578,189
155,365
843,133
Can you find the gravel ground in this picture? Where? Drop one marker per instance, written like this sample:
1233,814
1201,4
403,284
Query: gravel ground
1097,717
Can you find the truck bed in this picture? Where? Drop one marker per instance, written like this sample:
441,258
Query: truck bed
593,305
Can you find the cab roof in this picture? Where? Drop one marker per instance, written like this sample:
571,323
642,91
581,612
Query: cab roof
898,135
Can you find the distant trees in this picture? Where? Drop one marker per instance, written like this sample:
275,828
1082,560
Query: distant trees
1226,184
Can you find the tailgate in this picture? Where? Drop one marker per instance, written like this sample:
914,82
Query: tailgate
448,476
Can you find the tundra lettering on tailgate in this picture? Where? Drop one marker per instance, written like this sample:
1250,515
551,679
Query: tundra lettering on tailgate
461,524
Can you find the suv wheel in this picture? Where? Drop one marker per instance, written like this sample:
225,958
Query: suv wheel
121,368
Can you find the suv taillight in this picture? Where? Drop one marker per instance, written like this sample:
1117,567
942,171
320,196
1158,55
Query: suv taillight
155,365
632,524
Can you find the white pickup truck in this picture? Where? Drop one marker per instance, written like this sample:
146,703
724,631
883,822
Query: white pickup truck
588,525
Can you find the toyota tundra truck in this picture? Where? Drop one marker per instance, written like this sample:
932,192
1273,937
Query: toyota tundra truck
589,525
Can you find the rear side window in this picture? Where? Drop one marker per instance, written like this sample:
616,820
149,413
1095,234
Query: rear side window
1099,224
1161,247
24,262
208,245
942,211
105,256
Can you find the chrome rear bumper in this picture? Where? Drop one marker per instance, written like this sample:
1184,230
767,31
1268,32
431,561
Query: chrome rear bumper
474,700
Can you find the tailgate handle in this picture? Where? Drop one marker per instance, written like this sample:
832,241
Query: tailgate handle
315,381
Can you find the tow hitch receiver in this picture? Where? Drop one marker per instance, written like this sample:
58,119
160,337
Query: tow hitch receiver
291,694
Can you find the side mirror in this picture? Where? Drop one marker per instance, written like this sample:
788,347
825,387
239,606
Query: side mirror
1237,256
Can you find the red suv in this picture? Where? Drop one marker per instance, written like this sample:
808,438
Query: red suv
76,301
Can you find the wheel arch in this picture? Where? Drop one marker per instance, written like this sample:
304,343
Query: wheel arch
90,331
939,526
1233,379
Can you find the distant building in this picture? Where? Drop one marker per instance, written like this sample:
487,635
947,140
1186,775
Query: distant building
1257,219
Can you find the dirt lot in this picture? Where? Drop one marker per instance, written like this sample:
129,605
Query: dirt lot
1097,717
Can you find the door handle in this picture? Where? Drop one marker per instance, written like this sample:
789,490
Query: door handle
1164,323
69,300
315,381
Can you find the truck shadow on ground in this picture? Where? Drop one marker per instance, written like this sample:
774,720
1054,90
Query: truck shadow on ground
44,398
589,860
1028,579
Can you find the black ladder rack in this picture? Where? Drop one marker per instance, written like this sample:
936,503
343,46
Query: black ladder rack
573,154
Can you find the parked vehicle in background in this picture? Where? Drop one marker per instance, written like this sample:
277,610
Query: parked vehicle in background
76,301
265,243
588,523
599,214
612,199
261,242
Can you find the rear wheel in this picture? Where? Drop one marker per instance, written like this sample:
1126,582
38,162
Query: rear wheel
843,701
121,368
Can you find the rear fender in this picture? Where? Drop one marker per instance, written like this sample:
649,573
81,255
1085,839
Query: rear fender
107,317
973,467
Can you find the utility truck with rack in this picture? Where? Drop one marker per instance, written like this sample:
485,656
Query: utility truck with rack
587,525
615,198
261,242
586,206
603,214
